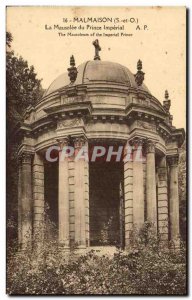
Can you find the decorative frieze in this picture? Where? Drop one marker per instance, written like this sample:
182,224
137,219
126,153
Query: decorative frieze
73,99
75,122
146,125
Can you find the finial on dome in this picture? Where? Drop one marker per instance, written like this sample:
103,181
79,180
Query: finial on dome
72,71
167,102
166,95
139,76
139,65
97,49
72,61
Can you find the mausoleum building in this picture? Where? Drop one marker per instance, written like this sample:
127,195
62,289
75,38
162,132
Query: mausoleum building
98,202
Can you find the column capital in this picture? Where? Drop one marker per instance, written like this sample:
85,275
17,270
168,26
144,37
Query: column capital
79,141
63,142
25,158
136,142
150,146
173,160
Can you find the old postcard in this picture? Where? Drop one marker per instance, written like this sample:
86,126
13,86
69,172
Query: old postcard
96,150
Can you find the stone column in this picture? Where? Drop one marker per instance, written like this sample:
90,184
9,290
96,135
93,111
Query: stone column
38,199
121,216
151,197
128,196
87,202
63,206
79,195
162,201
138,187
19,202
174,200
26,202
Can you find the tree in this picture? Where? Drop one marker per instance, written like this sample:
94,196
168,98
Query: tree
22,86
22,89
9,39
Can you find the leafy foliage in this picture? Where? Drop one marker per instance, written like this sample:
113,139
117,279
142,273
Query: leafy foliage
145,272
23,88
142,271
9,39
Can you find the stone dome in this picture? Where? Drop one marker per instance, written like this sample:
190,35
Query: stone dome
97,71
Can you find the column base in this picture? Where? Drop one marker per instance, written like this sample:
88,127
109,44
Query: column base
175,245
81,248
25,249
163,244
65,252
64,248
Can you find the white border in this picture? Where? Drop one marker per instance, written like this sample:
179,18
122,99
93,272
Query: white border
3,4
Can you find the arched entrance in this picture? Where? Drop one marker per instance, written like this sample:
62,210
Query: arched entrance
106,205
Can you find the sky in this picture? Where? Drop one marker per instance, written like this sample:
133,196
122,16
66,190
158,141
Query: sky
161,45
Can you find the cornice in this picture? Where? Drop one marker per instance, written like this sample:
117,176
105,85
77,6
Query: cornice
65,109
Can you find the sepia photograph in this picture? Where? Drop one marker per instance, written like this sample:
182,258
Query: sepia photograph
96,191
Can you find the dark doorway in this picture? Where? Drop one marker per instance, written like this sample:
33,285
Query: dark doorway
51,198
105,196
